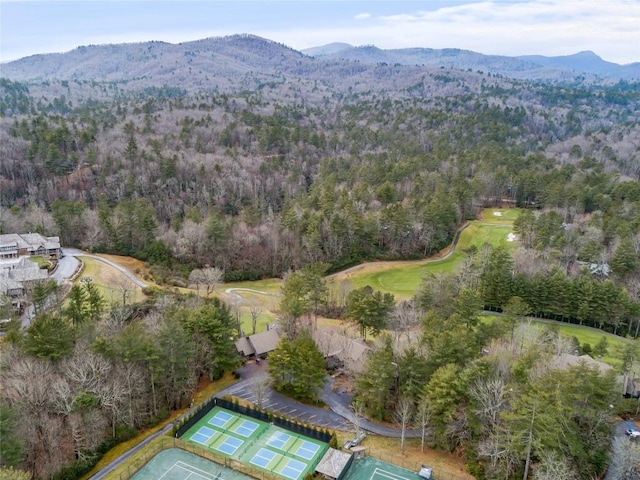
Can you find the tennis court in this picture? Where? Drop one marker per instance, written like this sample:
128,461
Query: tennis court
203,435
246,428
307,450
250,441
176,464
221,419
369,468
278,463
279,440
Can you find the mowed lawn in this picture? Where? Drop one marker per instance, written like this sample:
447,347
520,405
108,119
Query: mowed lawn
403,278
110,282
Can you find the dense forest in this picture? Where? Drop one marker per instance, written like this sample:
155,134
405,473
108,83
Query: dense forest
261,173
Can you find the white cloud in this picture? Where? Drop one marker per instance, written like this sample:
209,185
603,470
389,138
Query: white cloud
553,27
362,16
610,28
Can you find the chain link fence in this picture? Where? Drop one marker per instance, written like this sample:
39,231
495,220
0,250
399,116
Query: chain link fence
400,461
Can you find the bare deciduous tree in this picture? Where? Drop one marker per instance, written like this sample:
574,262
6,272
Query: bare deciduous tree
403,415
125,287
403,320
423,418
210,277
489,397
358,408
255,312
625,459
552,465
260,389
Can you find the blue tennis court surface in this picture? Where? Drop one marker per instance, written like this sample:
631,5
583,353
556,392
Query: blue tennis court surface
220,419
230,445
293,469
307,450
203,435
263,457
247,428
278,440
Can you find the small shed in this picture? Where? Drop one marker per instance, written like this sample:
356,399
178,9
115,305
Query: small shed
334,464
358,452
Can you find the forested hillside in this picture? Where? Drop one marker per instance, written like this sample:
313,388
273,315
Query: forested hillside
323,162
242,154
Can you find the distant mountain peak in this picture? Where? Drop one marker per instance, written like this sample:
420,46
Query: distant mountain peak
327,49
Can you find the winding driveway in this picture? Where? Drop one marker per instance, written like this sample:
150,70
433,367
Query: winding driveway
72,252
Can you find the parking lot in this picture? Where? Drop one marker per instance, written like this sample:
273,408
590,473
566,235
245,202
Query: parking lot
285,406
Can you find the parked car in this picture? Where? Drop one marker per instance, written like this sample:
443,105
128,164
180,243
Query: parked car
632,433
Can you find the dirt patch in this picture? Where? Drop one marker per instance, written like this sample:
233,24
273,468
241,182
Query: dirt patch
343,384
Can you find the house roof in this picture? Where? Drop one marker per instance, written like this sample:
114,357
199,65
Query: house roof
7,284
30,241
25,271
566,360
350,351
243,346
265,342
259,343
333,463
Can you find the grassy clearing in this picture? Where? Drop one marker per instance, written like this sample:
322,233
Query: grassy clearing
507,215
261,325
110,282
592,337
271,285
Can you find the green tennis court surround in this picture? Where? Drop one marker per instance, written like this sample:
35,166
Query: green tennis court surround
176,464
257,443
369,468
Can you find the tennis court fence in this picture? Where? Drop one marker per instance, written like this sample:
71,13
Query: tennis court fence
164,443
265,416
437,473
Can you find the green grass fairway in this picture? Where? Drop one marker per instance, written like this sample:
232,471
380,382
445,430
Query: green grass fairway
403,278
264,318
507,215
271,285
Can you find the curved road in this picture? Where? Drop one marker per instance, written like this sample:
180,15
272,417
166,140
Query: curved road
237,299
72,252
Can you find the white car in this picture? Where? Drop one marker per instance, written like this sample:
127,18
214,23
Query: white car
631,433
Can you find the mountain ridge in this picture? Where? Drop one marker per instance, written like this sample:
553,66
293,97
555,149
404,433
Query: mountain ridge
534,67
227,62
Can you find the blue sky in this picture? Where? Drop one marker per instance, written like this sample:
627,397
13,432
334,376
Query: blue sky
610,28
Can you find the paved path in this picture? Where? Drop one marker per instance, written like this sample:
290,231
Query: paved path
72,252
237,299
337,415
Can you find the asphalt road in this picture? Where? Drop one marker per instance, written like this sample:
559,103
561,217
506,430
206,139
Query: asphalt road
620,429
72,252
